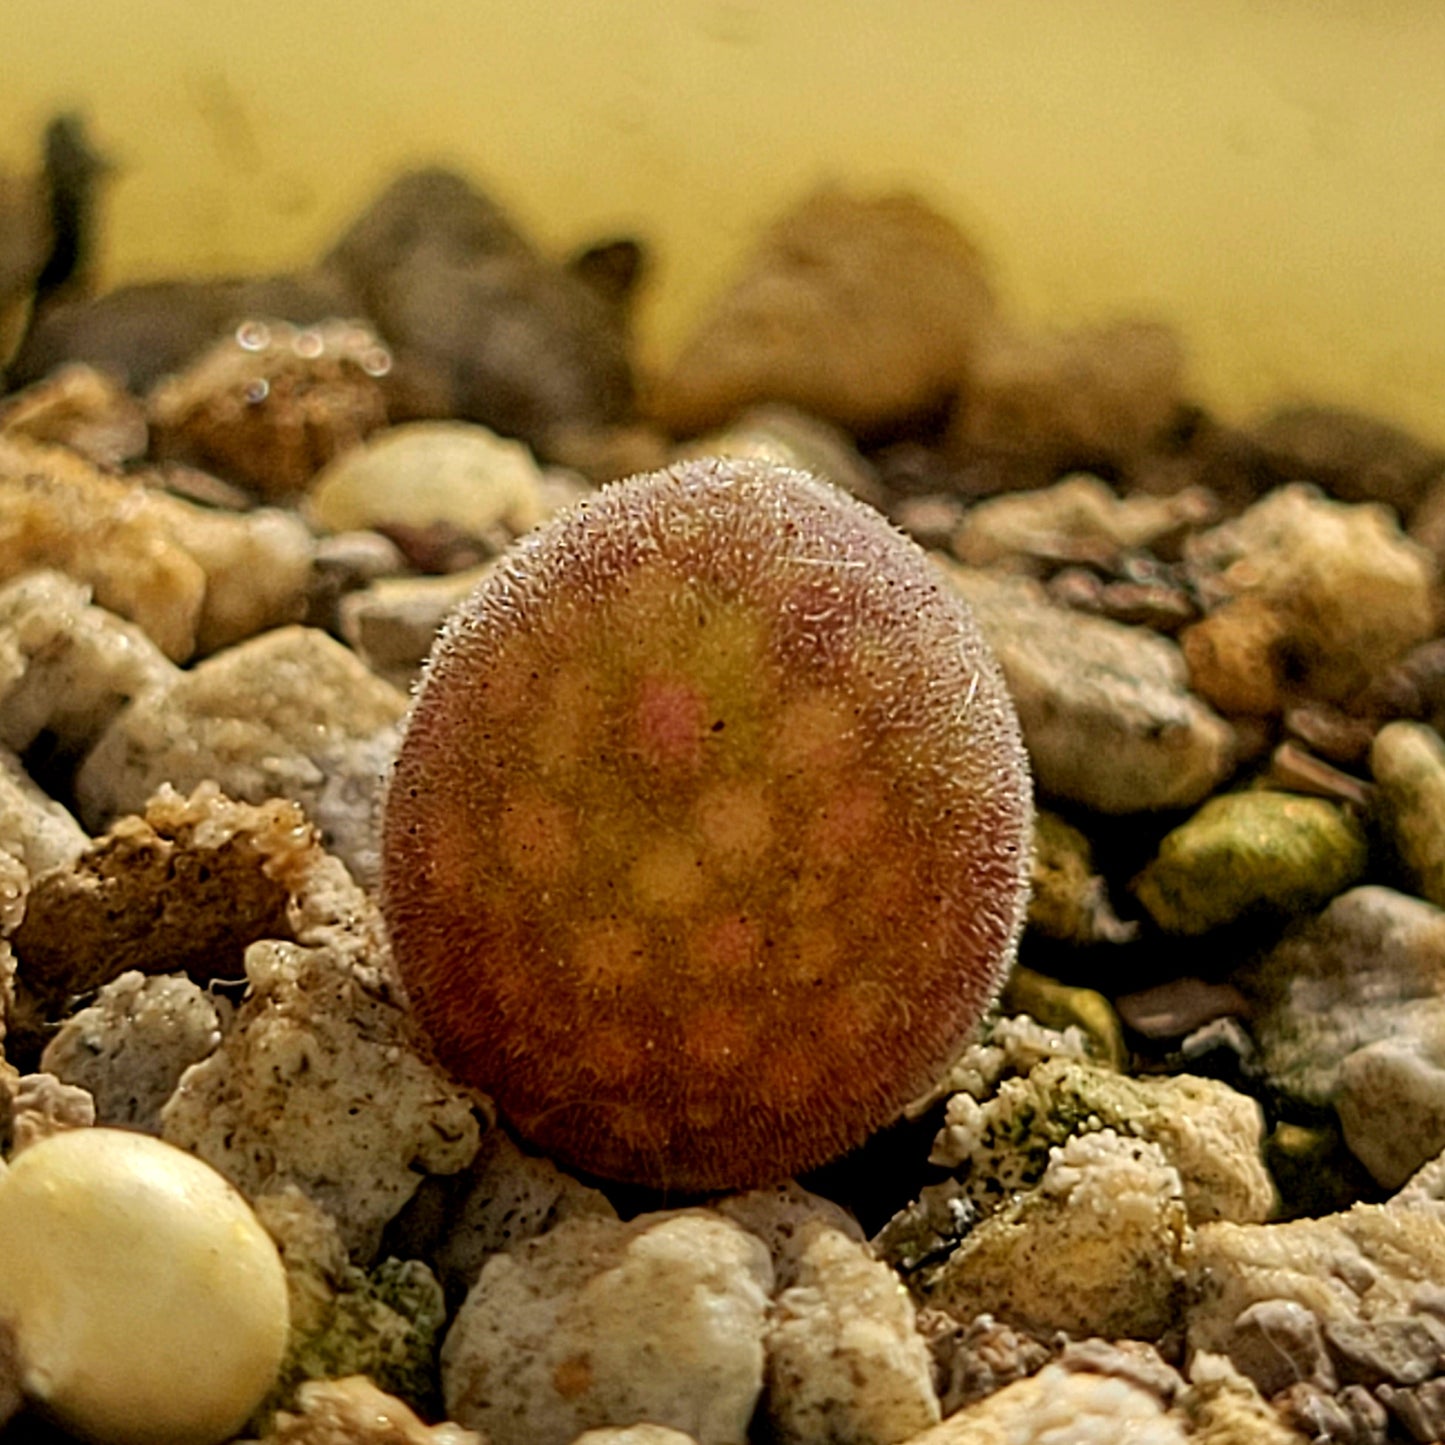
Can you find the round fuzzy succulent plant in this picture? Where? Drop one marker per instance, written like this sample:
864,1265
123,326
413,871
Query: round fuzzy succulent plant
708,840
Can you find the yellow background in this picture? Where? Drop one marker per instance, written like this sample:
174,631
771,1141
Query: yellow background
1268,174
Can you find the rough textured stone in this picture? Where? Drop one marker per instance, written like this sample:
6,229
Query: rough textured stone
1309,596
317,1082
1207,1131
1251,852
1277,1343
972,1361
1351,455
785,1217
642,1434
67,667
1371,966
257,565
272,403
37,834
1097,1247
503,1199
42,1105
783,434
289,714
1401,1080
1009,1044
865,312
1070,901
480,324
1223,1407
1137,1361
58,511
600,1323
845,1361
183,888
1407,761
130,1047
1369,1278
1106,713
190,578
1059,1405
78,407
1063,1006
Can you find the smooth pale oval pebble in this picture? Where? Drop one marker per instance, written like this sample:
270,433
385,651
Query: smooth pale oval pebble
148,1304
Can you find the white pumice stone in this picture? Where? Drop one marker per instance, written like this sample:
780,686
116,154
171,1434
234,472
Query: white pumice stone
147,1303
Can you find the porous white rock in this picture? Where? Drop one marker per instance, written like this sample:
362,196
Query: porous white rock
289,714
36,835
845,1360
1061,1407
67,667
502,1199
785,1217
317,1083
42,1106
33,827
1105,709
1369,1277
146,1301
600,1323
131,1045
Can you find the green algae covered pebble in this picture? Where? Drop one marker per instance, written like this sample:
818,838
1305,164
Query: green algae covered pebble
1245,853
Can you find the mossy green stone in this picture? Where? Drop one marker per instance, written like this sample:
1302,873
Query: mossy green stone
1245,853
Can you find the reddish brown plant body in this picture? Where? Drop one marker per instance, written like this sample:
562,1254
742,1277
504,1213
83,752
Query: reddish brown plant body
707,844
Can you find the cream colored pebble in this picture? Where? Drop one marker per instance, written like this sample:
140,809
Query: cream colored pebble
148,1305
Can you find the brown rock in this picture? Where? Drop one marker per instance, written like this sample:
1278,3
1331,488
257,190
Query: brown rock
1307,598
138,334
1079,519
190,577
167,893
864,312
1096,397
271,404
57,511
1349,454
482,326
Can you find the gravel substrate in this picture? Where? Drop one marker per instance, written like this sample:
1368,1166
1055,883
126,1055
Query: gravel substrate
1185,1183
